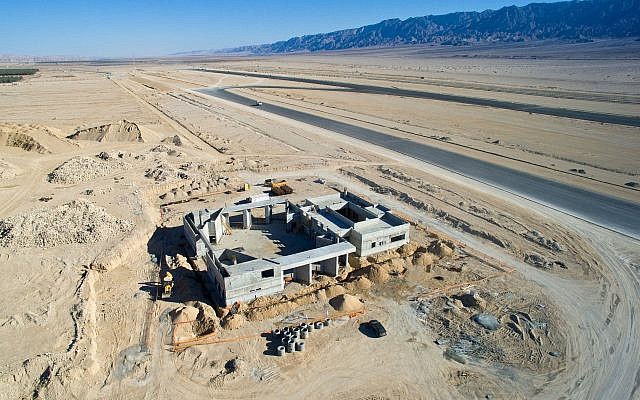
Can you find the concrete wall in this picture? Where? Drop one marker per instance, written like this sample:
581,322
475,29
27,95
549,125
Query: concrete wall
216,277
197,245
250,285
382,240
355,239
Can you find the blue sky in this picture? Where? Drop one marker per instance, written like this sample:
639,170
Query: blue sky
115,28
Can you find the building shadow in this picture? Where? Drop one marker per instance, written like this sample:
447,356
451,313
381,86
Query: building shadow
273,342
169,241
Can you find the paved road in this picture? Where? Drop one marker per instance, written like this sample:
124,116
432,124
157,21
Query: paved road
613,213
507,105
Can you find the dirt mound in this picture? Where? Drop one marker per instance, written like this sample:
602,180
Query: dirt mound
346,303
379,274
84,169
78,221
408,249
206,320
33,138
234,321
121,131
382,257
358,262
396,266
22,141
175,140
422,260
333,291
182,319
441,249
270,311
361,283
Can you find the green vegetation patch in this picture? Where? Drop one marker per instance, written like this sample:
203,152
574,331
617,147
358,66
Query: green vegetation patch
17,71
10,78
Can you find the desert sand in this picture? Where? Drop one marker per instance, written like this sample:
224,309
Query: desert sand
98,164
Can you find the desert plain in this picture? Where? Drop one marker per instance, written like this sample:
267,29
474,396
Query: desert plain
99,161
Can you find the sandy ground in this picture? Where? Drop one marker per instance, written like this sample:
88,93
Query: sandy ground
80,317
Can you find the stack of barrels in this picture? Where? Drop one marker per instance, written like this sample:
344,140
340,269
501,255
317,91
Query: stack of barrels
291,338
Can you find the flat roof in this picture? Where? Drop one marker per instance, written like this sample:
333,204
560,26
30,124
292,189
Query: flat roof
334,223
293,260
247,206
260,264
324,201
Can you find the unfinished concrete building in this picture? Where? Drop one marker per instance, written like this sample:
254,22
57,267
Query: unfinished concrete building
291,242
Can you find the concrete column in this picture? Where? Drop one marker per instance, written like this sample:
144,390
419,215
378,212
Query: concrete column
303,274
267,214
246,219
331,266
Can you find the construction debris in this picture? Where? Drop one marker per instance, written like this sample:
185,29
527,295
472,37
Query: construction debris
76,222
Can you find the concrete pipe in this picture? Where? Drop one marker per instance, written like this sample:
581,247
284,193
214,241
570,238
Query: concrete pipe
290,348
319,325
303,325
277,332
293,340
296,332
327,322
286,330
280,351
304,333
300,346
310,327
284,340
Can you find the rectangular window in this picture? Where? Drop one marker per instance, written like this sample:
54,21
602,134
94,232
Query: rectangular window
397,238
268,273
373,244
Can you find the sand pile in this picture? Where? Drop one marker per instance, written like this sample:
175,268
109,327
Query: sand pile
182,319
358,262
22,141
379,274
173,140
78,221
361,284
441,249
206,320
423,260
194,319
121,131
84,169
233,321
33,138
346,303
333,291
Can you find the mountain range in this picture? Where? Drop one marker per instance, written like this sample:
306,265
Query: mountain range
568,20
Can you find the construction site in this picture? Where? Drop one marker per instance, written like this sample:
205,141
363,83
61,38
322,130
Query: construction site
167,230
334,227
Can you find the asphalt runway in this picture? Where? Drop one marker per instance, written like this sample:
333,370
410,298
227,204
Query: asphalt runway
606,211
507,105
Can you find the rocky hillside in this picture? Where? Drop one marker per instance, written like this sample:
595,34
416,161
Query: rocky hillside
572,20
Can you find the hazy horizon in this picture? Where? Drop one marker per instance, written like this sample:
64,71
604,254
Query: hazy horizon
156,28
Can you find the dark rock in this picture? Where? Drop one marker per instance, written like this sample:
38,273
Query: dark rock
487,321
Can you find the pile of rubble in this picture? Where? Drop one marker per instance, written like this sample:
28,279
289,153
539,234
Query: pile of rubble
84,169
78,221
